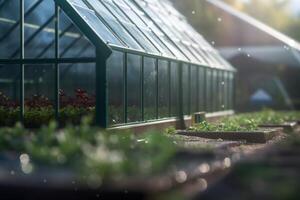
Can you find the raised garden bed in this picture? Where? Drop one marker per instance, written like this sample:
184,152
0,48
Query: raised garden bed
287,127
261,136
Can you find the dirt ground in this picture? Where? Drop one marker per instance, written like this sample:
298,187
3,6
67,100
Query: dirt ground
235,150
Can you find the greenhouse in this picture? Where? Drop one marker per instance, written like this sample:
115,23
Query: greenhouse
129,61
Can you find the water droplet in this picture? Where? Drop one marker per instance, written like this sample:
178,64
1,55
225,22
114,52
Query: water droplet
219,19
193,12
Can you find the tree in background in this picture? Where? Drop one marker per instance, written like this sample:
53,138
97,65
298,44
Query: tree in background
272,12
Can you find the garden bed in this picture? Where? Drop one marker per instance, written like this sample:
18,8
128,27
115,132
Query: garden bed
287,126
272,175
261,136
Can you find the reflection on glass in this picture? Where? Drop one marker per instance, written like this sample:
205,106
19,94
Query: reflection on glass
201,89
9,38
163,89
215,90
133,88
174,89
150,77
77,94
186,88
194,89
208,90
39,95
115,74
9,94
231,93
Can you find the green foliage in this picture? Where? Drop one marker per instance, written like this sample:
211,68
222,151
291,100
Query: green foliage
36,117
91,151
170,130
248,121
230,124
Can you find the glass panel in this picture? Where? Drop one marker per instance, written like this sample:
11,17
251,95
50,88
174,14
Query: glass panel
132,29
186,88
112,22
231,91
9,94
100,29
163,89
140,38
115,71
39,95
194,89
72,42
40,30
174,89
221,105
135,19
134,88
215,90
150,87
208,90
10,32
77,94
225,92
201,88
78,3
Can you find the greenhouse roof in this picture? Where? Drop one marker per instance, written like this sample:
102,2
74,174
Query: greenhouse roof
257,24
151,27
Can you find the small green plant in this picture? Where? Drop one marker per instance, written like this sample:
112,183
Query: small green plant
170,130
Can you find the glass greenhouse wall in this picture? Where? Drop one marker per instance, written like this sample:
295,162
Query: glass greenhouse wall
126,59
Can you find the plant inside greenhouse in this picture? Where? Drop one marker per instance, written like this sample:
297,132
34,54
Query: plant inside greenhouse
149,99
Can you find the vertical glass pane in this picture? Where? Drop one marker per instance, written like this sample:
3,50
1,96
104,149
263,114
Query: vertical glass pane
186,88
215,90
174,89
115,70
231,91
208,90
39,95
194,89
150,76
201,88
163,89
221,91
10,29
225,91
134,88
77,91
9,94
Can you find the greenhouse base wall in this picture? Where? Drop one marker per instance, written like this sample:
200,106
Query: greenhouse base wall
163,124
